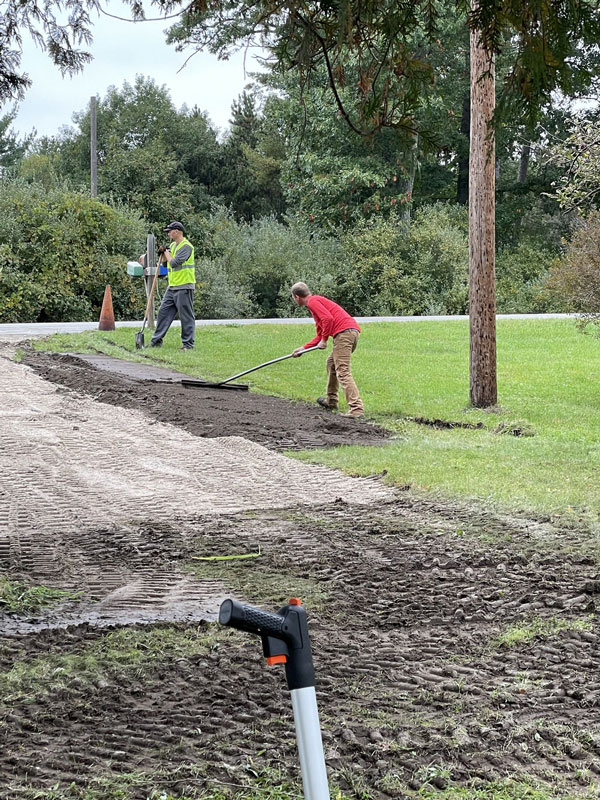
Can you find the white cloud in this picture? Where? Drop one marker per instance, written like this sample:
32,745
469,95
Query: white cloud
121,51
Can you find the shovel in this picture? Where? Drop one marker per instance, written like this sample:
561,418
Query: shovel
139,337
225,384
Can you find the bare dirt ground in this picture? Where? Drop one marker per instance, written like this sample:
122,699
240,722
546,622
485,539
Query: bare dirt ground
270,421
71,465
127,693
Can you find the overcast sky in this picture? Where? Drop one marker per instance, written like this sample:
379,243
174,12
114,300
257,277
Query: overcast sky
121,51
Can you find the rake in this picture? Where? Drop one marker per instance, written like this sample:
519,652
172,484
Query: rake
226,384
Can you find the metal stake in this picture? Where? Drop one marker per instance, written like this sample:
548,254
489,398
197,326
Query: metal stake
310,745
149,278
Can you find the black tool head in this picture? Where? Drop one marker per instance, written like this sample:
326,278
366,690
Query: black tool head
208,385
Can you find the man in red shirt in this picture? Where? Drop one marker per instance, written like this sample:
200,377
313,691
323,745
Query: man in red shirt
332,320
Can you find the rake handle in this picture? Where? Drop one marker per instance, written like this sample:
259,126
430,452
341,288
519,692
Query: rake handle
266,364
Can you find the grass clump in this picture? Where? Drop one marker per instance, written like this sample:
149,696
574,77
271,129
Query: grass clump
16,598
496,790
266,585
232,557
545,628
118,653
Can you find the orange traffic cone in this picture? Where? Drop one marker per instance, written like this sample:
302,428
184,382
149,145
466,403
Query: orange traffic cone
107,315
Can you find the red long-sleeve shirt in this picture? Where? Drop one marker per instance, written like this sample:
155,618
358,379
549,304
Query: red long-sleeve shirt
329,318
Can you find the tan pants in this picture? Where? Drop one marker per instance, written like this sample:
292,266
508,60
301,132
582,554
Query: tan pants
338,371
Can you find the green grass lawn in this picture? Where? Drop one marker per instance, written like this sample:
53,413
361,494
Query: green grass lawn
547,384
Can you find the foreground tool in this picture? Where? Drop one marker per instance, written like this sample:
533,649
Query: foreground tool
226,383
285,641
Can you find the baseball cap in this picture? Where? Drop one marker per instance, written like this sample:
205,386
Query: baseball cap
174,226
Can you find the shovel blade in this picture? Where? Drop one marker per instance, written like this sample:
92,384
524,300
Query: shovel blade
139,341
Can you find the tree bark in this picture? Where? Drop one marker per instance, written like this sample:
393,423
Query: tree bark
482,278
408,184
462,182
524,163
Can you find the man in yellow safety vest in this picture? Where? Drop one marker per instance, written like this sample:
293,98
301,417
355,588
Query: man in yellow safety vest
179,297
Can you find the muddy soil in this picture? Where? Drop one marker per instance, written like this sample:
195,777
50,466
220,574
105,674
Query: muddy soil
271,421
84,485
131,691
406,604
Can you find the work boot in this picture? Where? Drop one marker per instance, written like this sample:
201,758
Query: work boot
155,344
353,414
322,401
186,347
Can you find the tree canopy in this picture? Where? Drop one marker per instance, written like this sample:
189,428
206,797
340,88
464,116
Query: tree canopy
384,39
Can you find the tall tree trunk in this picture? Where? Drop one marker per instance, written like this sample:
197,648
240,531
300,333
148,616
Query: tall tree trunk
462,182
524,163
482,278
412,158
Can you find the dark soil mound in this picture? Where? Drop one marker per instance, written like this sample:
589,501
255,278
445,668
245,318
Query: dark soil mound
270,421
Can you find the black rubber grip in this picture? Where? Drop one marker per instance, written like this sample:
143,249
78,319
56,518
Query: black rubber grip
248,618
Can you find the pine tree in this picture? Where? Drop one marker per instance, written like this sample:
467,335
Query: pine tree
248,178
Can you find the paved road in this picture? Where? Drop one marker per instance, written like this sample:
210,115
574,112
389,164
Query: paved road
28,329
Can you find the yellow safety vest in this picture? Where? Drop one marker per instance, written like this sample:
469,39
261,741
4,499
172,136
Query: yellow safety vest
186,273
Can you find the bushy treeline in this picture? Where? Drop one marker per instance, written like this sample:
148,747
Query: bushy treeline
287,194
388,266
59,249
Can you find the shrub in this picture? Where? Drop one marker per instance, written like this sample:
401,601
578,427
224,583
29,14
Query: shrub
575,278
58,251
397,267
248,267
371,280
521,276
218,295
438,249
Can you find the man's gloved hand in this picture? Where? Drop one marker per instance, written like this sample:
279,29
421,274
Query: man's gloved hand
162,248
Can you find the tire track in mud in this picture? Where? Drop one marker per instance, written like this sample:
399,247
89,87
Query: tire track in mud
410,685
414,639
409,600
72,467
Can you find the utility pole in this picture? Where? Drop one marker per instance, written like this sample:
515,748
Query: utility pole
482,238
93,147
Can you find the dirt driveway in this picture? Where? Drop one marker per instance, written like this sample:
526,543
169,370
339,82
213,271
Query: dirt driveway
454,647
